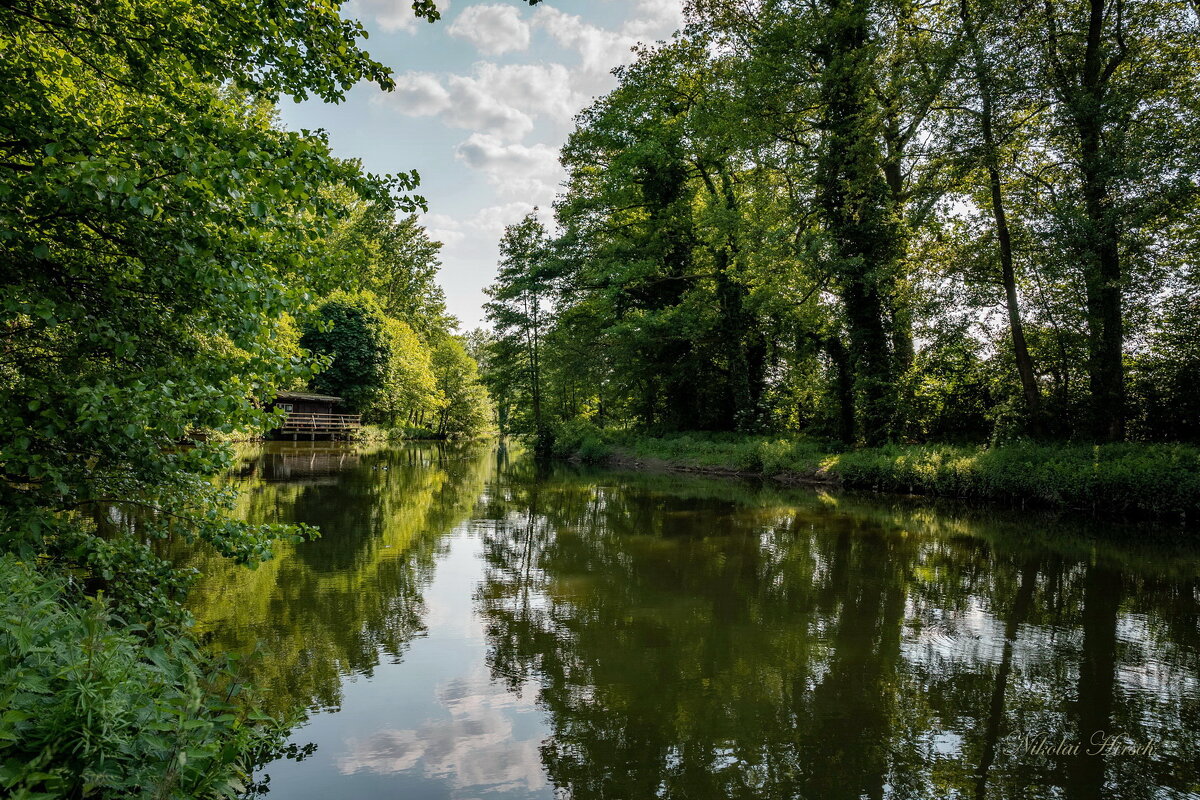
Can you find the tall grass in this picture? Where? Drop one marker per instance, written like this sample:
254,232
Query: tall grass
1157,479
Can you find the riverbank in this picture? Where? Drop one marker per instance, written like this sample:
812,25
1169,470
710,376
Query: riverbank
379,433
367,433
1136,479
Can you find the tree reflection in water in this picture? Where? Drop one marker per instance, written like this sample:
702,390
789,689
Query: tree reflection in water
703,639
693,638
336,606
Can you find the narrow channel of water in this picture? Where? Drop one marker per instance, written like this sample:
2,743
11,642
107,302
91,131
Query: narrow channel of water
473,625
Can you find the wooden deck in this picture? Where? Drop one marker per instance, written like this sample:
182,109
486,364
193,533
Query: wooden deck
299,422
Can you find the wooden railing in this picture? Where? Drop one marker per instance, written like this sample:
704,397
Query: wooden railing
300,422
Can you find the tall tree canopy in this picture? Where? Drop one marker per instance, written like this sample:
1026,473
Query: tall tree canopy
876,221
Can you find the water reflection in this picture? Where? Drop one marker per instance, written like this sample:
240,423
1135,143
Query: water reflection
476,746
493,629
696,644
343,603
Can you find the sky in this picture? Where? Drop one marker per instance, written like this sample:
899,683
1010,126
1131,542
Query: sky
484,100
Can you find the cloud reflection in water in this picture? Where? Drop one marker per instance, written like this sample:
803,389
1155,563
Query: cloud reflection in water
476,746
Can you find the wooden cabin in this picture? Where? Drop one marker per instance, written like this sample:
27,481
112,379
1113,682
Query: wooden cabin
313,415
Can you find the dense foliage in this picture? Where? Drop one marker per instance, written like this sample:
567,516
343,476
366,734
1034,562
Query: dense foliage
386,333
465,407
161,243
375,362
875,221
92,709
156,230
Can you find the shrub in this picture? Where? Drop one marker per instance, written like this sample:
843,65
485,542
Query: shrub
376,363
1140,478
92,708
579,438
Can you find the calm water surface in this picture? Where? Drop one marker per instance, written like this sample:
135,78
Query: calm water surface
471,625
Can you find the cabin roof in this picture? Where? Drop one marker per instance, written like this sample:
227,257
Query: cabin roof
307,396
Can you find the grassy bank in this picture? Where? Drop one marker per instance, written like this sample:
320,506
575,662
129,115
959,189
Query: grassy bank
1128,478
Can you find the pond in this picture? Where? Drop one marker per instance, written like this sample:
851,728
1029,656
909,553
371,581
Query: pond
473,624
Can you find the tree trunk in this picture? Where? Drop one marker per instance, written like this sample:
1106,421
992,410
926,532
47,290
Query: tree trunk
735,320
854,202
1106,336
535,376
1086,97
844,383
983,83
1103,270
901,316
870,359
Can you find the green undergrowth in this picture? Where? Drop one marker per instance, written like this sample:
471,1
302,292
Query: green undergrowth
1155,479
380,433
91,707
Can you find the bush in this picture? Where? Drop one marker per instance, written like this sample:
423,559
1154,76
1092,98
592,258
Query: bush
579,438
403,433
95,709
376,363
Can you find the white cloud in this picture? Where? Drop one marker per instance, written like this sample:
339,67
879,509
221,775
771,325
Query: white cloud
418,94
444,228
390,15
492,221
492,29
655,19
461,101
531,172
602,49
536,89
475,108
499,100
599,50
483,151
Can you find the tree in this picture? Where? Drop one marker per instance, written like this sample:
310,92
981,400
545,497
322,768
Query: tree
656,275
412,387
853,201
519,310
156,230
1118,78
994,63
352,333
392,258
376,363
1163,377
800,217
466,408
842,92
